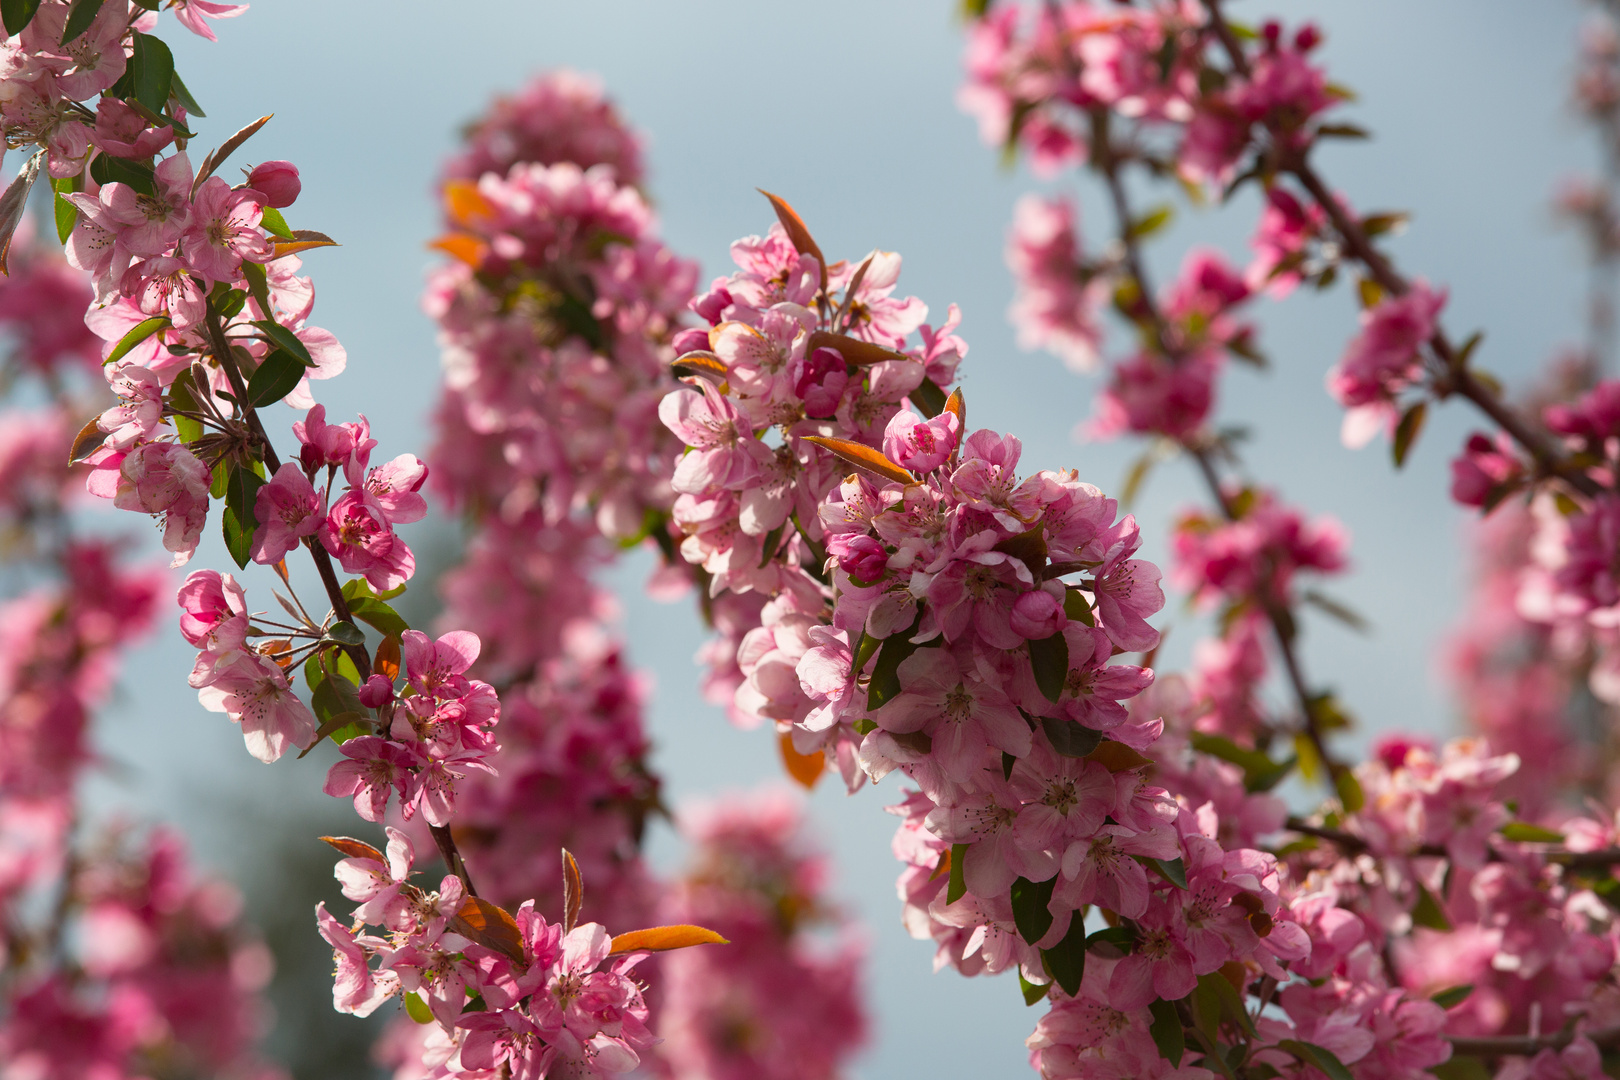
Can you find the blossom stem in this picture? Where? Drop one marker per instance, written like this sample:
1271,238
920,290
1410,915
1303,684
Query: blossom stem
1527,1045
1601,859
323,561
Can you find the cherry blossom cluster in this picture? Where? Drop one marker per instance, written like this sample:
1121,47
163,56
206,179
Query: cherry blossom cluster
511,995
797,350
775,1004
556,322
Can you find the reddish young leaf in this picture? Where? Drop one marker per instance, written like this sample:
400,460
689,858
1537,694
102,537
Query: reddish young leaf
355,849
706,364
485,924
303,240
664,938
86,442
469,249
217,157
854,350
1117,757
863,457
800,236
386,663
957,404
805,768
573,891
464,204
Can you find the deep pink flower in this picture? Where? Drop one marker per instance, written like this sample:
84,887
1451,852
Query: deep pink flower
375,768
277,181
355,531
921,445
213,611
288,508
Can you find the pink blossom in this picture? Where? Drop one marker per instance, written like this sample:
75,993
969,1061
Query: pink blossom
287,508
255,693
921,445
375,768
213,611
356,988
224,229
357,534
167,480
1384,359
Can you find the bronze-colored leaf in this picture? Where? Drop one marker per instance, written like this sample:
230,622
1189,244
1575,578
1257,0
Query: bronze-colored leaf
797,232
1117,757
863,457
468,249
386,663
703,363
805,768
573,891
464,204
355,849
854,350
15,201
87,441
664,938
853,288
303,240
957,405
217,157
483,923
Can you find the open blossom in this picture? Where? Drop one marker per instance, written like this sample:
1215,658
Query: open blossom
256,694
223,230
167,480
1384,359
287,508
1058,299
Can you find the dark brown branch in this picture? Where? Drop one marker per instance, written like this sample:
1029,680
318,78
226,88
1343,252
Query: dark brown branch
1601,859
1527,1046
323,560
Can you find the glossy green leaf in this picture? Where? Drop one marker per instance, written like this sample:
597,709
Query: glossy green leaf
1049,658
1066,961
284,338
956,888
275,224
1525,833
1033,992
181,93
137,334
238,536
1318,1057
1031,914
17,14
1172,870
1077,607
1167,1032
277,377
417,1009
378,614
152,71
1428,912
885,684
1453,996
80,16
1068,738
67,215
1112,941
346,633
106,169
1231,1002
929,398
355,588
865,649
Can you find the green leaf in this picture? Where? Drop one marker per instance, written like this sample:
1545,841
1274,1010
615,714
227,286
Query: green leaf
355,588
181,396
1318,1057
929,398
230,302
1525,833
956,888
238,522
275,224
1068,738
1049,657
346,633
1008,763
1349,788
284,338
1428,912
417,1009
1077,607
67,215
80,16
1150,222
1370,292
16,14
137,334
1033,992
1030,900
180,92
238,537
152,68
1134,476
1066,961
864,726
885,684
385,619
1345,614
106,169
1260,773
1451,997
277,377
1231,1002
1166,1030
1172,870
1461,1068
1205,1003
865,649
1406,432
1112,941
258,287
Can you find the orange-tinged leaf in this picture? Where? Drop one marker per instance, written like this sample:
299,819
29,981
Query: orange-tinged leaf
573,891
956,404
465,204
303,240
664,938
943,867
864,457
805,768
1117,757
469,249
702,363
482,922
386,663
800,236
86,442
217,156
853,349
355,849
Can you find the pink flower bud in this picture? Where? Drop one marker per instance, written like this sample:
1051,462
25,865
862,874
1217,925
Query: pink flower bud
1037,615
821,383
377,691
865,559
277,181
690,340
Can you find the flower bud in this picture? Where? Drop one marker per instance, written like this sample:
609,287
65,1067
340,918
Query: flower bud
1037,615
377,691
690,340
865,560
277,181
